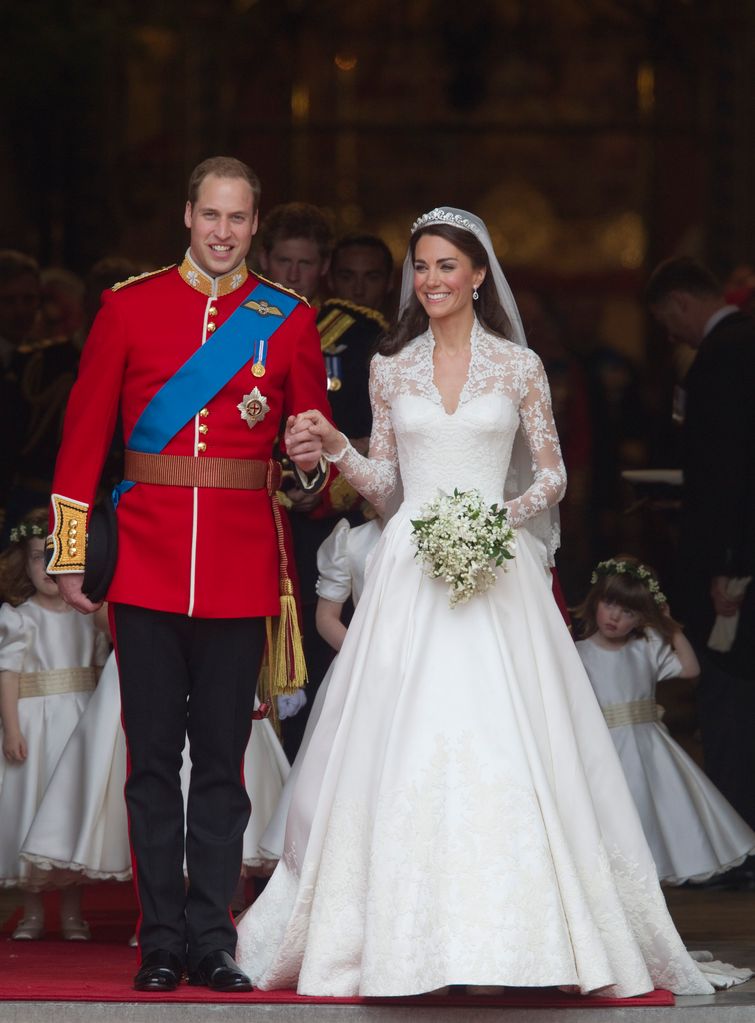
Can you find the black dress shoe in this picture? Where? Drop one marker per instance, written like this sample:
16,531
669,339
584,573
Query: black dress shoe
160,971
219,972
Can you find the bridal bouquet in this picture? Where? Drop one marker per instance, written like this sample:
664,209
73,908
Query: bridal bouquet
461,540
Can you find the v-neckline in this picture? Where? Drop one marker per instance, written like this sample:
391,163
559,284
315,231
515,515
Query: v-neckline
434,386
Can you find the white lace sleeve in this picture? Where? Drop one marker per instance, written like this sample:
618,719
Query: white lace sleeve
536,417
375,477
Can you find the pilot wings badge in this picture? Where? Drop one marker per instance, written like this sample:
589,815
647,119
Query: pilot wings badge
263,308
253,407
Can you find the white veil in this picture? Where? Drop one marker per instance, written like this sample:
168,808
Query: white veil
545,525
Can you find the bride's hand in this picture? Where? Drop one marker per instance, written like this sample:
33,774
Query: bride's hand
313,426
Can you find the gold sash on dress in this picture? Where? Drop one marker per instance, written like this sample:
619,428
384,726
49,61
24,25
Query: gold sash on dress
56,682
638,712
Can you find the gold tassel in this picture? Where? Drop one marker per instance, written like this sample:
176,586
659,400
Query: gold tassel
288,671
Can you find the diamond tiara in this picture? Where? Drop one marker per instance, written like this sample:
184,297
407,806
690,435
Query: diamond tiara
441,216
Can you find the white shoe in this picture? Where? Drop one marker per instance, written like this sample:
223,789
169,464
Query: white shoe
73,928
30,928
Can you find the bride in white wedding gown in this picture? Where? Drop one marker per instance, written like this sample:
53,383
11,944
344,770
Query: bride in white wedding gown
461,816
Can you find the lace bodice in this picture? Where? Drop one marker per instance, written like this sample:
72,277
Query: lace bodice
415,440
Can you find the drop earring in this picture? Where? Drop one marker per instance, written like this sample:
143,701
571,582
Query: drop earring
475,295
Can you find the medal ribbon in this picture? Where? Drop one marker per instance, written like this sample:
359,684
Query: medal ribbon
259,363
333,369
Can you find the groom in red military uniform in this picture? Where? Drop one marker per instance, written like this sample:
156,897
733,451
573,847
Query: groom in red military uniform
203,360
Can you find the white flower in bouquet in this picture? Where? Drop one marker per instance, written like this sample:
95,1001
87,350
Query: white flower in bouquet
462,540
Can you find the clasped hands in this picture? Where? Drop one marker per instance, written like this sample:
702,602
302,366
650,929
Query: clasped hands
308,436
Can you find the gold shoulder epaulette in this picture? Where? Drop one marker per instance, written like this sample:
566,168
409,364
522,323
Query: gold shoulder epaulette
363,310
333,325
282,287
141,277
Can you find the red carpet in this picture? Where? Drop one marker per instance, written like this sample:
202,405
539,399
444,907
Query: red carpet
102,970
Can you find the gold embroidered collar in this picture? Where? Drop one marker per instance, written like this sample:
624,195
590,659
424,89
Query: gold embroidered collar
213,287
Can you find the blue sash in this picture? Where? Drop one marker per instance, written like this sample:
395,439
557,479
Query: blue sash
207,371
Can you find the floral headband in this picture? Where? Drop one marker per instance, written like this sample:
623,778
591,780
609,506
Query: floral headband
615,566
25,530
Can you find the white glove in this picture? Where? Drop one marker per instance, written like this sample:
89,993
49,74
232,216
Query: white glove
291,703
724,630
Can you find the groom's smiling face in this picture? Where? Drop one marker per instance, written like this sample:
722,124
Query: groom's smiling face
222,223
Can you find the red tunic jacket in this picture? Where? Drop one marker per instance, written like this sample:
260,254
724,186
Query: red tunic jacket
211,553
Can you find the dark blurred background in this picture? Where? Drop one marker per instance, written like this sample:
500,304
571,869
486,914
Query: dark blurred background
594,136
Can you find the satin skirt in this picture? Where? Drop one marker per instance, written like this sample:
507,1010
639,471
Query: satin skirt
460,815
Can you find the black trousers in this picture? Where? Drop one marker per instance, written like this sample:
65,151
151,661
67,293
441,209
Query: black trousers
726,710
182,677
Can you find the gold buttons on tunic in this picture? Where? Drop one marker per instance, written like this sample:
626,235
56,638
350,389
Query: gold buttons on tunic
202,446
203,428
204,413
210,327
212,311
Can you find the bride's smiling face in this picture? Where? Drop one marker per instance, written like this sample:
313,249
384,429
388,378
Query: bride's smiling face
444,277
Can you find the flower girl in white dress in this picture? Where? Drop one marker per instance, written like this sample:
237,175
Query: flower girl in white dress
50,658
631,643
461,816
80,830
341,562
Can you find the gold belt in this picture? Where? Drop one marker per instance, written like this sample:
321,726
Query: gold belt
638,712
187,471
56,682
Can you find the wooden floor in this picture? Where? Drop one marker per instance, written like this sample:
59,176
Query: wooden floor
705,915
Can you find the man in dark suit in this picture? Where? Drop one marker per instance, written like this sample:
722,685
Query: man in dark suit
717,530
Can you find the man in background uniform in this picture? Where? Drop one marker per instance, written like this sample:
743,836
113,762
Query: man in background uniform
37,376
349,330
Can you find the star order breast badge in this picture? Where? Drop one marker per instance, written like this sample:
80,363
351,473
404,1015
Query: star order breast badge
253,407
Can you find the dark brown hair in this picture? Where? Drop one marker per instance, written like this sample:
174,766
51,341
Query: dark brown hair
680,274
296,220
630,592
15,584
488,309
223,167
15,264
363,241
